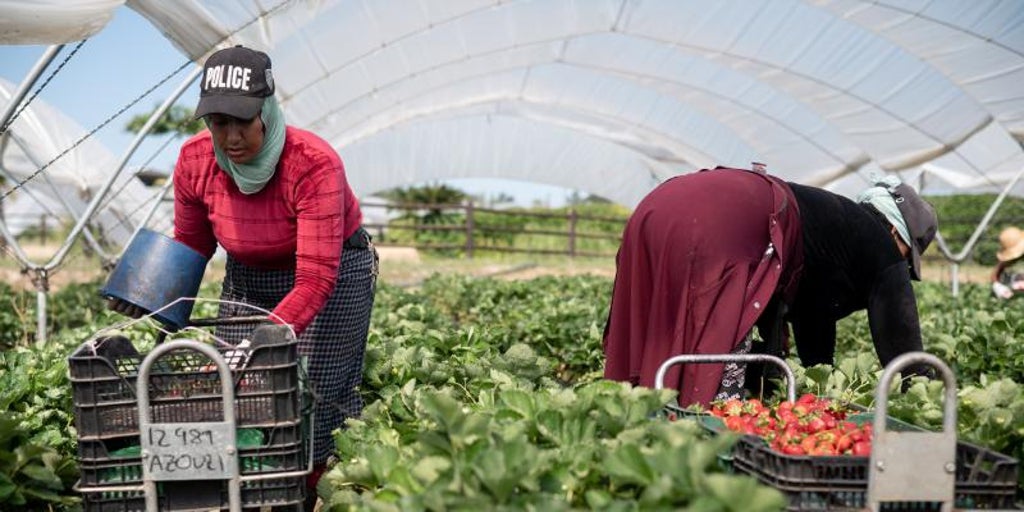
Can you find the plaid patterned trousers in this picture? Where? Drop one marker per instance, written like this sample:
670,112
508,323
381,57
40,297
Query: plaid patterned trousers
334,343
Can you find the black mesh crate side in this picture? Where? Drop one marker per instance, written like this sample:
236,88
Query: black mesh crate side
111,419
279,491
260,493
252,408
102,390
273,355
252,461
976,464
284,435
254,380
102,449
119,419
984,479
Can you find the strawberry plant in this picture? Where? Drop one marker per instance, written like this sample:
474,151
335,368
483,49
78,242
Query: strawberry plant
524,358
32,476
516,448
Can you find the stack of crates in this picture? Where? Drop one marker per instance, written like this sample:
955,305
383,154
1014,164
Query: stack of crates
185,387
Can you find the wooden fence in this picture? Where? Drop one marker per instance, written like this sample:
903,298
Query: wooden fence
471,229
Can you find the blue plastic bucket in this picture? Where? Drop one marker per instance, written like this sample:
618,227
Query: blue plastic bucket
155,271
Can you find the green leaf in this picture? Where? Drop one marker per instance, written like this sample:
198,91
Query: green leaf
743,494
428,469
7,487
819,374
597,499
629,464
519,401
382,460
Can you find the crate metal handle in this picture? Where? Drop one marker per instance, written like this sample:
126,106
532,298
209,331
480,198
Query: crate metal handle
913,466
659,378
161,336
227,432
201,322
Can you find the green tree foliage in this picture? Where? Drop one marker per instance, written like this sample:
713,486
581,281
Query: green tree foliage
426,205
432,198
177,119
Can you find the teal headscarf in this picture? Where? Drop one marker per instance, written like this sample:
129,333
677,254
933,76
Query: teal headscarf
252,176
880,197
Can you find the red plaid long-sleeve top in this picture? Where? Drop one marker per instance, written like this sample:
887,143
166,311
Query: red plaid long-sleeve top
298,221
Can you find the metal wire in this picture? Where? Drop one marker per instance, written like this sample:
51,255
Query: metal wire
39,89
123,222
93,131
32,176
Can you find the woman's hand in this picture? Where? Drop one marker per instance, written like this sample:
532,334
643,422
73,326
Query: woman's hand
125,308
1001,290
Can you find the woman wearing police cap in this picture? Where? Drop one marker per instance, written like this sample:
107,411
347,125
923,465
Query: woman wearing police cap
707,256
276,199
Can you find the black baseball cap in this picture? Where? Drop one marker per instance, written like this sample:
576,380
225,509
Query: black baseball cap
922,223
235,82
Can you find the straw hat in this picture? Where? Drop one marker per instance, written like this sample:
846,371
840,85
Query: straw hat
1011,244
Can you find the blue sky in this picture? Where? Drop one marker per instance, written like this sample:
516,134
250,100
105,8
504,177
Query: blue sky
110,70
128,57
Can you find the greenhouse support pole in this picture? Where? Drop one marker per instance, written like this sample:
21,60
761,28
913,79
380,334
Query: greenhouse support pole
30,79
40,280
100,194
954,276
149,215
46,207
42,288
12,244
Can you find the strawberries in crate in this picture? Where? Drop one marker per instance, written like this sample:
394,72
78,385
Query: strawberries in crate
809,426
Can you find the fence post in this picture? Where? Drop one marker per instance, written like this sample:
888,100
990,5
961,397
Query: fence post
572,232
42,229
469,229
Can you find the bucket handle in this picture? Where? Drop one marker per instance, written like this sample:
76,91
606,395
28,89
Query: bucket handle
201,322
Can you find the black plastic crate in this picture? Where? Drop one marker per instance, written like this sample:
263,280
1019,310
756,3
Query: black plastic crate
120,462
252,437
184,386
203,495
984,479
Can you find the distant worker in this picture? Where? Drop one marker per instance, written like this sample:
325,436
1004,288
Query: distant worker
1011,249
707,256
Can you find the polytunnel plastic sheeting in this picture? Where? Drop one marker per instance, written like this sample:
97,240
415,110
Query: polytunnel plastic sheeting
49,22
671,130
820,90
985,163
66,187
668,126
979,45
422,151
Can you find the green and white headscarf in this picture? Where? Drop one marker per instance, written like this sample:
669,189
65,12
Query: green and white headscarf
880,197
252,176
